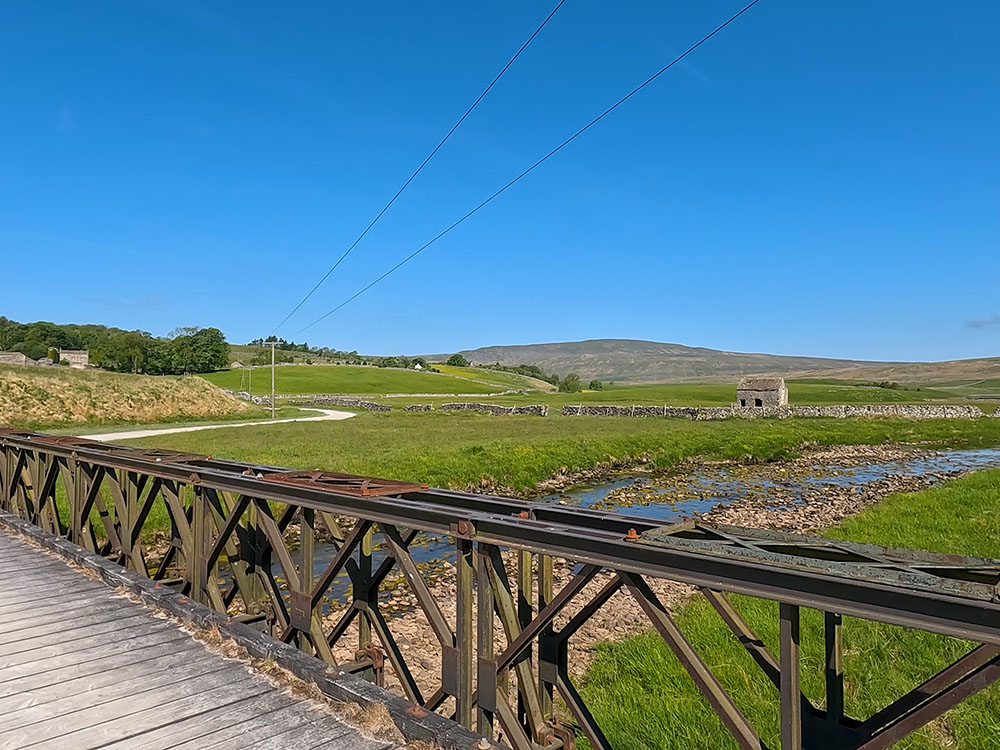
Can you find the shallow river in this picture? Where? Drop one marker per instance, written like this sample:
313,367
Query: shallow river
673,495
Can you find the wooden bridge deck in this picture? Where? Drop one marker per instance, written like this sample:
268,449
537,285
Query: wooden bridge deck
83,667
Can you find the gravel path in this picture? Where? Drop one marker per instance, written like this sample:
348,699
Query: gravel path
324,416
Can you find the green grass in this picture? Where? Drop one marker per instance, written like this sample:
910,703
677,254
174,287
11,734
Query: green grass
496,377
456,449
644,700
803,392
290,379
258,414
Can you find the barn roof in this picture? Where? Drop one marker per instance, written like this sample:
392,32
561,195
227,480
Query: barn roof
761,384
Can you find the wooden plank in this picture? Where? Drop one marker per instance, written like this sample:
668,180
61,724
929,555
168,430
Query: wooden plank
66,593
242,735
55,685
36,579
27,640
82,667
130,716
127,642
99,690
266,709
307,736
14,568
61,619
19,653
13,619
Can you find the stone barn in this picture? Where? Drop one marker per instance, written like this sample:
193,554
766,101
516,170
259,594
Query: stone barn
761,392
15,358
78,358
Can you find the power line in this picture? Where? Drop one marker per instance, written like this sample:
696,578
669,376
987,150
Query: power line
538,163
419,169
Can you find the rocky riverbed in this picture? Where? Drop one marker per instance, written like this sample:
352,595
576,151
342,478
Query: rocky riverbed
804,494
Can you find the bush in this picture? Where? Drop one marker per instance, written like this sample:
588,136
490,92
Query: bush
596,385
570,384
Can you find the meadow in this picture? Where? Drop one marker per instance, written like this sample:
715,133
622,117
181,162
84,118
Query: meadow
376,382
498,377
291,379
468,449
631,682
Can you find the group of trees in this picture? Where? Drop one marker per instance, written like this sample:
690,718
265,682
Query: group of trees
184,350
570,383
404,362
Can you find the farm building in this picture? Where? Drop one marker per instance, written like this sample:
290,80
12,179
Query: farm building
78,358
762,392
15,358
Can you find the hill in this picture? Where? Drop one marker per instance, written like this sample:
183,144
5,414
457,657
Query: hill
50,396
647,361
634,361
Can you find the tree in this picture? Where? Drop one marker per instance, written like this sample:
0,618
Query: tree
570,384
457,360
596,385
389,362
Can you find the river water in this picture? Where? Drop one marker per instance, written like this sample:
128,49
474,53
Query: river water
673,495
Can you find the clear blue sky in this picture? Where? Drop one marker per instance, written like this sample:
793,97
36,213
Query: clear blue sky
821,178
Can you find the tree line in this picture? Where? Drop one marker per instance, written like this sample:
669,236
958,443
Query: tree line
183,351
570,383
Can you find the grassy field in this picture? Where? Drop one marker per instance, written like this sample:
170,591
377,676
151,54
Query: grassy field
41,397
497,377
290,379
375,382
645,701
803,392
459,449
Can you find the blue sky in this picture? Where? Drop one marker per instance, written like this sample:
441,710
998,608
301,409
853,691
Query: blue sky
821,178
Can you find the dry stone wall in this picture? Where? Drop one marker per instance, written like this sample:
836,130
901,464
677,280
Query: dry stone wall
357,403
903,411
540,410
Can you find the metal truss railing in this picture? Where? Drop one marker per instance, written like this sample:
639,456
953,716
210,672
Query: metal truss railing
243,538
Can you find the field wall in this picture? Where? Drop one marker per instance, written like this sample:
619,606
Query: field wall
539,410
902,411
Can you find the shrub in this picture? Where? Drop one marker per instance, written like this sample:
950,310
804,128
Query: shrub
571,384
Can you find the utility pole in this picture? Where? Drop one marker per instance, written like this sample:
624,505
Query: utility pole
272,378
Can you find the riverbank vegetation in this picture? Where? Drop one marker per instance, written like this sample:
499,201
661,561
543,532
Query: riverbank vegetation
644,700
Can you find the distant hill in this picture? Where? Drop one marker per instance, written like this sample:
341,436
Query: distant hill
630,360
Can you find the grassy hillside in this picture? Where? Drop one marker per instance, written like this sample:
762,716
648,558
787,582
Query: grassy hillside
629,360
497,377
290,379
647,361
51,396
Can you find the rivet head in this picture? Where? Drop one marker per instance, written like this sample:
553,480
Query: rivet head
484,744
